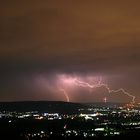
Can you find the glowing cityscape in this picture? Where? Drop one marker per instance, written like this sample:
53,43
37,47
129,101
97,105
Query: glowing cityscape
69,69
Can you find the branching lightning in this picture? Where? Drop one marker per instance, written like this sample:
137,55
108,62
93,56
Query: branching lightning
100,84
96,84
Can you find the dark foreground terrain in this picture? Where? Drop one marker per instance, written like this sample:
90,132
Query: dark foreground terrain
60,120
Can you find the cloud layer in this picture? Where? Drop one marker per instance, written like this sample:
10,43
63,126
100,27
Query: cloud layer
83,37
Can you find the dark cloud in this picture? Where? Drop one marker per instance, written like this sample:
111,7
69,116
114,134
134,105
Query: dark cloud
87,37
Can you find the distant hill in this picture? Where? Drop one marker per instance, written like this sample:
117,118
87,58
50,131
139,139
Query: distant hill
102,104
51,106
41,106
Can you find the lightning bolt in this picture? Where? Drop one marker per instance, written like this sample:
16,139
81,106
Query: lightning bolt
105,99
100,84
65,94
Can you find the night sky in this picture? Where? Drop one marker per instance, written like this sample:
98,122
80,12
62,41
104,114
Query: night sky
45,44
